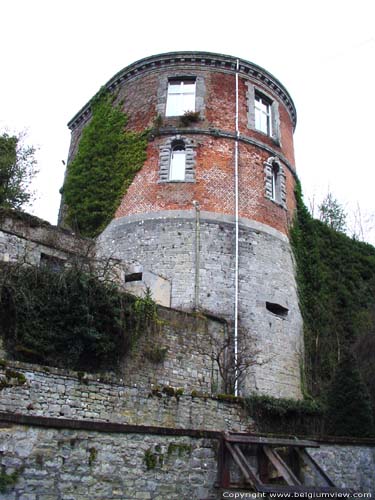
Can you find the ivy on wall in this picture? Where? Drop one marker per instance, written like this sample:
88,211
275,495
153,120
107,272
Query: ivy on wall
284,416
107,160
69,319
336,283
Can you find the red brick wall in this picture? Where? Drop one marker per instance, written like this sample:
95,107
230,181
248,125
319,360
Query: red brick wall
214,186
214,171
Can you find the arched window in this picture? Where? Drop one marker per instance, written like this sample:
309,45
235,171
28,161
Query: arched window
177,160
177,164
275,191
275,188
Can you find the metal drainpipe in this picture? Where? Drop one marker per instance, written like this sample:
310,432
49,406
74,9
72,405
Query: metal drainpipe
197,253
236,243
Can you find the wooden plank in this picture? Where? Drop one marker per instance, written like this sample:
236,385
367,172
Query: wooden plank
246,469
223,466
251,470
249,439
281,466
308,460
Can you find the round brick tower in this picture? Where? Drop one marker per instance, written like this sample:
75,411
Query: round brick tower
211,207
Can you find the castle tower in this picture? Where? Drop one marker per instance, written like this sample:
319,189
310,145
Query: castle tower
211,208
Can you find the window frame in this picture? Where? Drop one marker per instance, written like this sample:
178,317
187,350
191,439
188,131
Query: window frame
263,112
178,108
178,150
165,156
275,181
254,92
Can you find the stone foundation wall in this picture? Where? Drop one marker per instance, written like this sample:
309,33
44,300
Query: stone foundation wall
62,464
165,243
347,466
69,464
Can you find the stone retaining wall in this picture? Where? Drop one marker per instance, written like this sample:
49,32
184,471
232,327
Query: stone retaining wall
348,466
69,464
81,465
50,392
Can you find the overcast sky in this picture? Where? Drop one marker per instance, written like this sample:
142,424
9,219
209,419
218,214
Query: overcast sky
56,54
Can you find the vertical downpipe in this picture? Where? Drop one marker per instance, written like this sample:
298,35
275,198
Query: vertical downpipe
236,243
197,253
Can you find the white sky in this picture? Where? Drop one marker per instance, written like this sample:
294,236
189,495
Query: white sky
56,54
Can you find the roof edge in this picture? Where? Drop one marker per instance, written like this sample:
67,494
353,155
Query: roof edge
205,59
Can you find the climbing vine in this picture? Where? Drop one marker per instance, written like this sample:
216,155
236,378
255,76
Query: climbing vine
107,160
285,415
336,283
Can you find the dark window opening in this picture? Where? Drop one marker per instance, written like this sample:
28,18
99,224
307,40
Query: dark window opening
54,264
133,277
277,309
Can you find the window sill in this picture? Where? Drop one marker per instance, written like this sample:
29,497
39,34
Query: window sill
278,203
275,140
185,181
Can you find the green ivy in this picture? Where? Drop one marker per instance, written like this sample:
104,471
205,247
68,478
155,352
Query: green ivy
285,416
8,481
70,319
107,160
336,284
348,402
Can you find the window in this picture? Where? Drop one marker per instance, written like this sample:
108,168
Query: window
52,263
263,113
274,181
277,309
275,187
181,97
177,162
133,277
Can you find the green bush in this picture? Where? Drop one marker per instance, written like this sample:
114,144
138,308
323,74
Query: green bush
336,286
286,416
348,402
69,319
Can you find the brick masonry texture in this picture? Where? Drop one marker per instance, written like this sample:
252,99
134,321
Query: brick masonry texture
165,244
214,186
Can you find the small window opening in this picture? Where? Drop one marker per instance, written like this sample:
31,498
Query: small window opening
277,309
133,277
275,181
54,264
177,162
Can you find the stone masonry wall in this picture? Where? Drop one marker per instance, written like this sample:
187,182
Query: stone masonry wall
347,466
66,464
81,465
57,393
23,238
187,363
165,243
